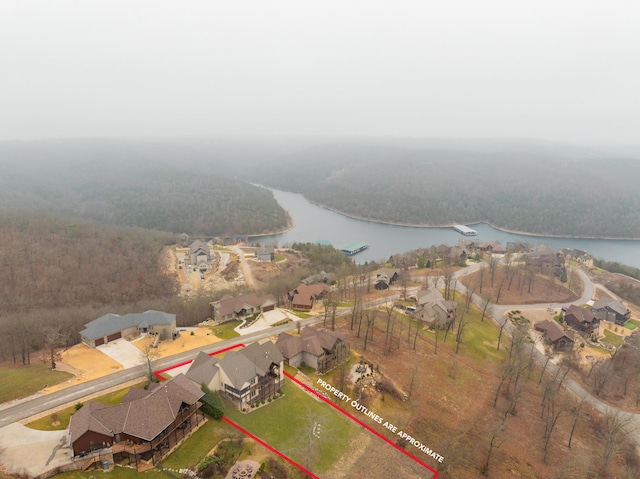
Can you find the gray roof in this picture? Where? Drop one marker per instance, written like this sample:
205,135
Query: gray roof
612,304
240,366
199,245
112,323
203,368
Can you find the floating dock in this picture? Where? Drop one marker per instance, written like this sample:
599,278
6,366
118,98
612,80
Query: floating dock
354,248
462,229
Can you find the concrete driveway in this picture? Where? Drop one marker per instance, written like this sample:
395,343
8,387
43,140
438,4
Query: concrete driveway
33,452
123,352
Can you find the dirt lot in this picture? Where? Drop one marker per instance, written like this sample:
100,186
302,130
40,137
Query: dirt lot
87,363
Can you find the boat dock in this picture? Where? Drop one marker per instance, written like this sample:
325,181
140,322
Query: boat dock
462,229
354,248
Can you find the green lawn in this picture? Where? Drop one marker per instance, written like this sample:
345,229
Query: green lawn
64,415
24,381
613,338
287,424
225,331
302,314
632,324
117,473
192,451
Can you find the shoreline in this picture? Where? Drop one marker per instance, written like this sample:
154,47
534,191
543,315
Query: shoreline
450,225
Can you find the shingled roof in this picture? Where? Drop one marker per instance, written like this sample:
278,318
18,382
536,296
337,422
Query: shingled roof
229,304
553,330
112,323
240,366
583,315
312,341
144,417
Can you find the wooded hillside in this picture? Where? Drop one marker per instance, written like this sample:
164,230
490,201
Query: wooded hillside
158,186
543,191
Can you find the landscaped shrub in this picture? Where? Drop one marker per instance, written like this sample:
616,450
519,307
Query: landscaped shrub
211,403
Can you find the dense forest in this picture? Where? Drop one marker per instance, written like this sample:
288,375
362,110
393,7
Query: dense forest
59,273
148,185
551,191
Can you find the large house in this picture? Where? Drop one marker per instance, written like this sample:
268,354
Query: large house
322,277
266,253
559,339
608,309
144,427
200,256
230,308
547,261
432,308
246,376
385,278
581,319
317,348
113,326
303,297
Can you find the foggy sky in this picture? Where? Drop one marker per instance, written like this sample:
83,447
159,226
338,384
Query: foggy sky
559,70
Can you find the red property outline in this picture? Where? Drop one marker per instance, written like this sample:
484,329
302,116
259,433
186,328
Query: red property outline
158,374
359,422
257,439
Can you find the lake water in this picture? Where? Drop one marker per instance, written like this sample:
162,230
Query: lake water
314,223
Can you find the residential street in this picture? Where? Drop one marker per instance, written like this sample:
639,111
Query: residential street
73,394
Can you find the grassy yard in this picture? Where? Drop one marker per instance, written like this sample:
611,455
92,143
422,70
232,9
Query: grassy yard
288,424
302,314
613,339
191,452
632,324
63,416
225,331
24,381
117,473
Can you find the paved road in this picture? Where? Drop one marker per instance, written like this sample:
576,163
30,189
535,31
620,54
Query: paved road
497,314
76,393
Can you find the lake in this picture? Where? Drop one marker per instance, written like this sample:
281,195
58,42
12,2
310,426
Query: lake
314,223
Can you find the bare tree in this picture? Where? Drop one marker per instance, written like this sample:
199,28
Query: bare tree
486,308
496,439
613,437
462,323
148,354
493,266
412,379
576,415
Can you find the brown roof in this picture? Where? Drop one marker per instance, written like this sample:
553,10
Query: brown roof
145,415
312,341
306,294
553,330
229,304
581,314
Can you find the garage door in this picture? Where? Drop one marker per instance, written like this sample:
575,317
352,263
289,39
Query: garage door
114,336
269,308
99,342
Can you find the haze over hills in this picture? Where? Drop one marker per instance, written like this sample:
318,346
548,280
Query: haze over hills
200,186
149,184
535,187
